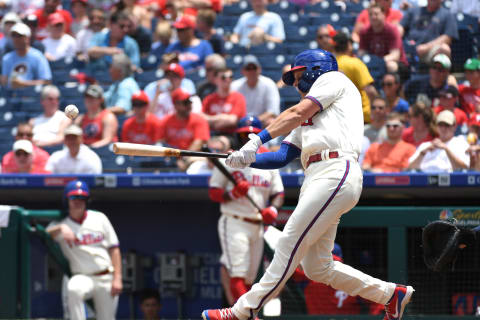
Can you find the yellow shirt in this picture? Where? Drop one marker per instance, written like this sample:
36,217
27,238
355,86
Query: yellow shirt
358,73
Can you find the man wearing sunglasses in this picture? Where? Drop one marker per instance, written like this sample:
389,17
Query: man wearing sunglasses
261,93
438,78
392,154
40,156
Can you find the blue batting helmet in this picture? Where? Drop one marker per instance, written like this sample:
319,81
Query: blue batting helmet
315,62
249,124
76,188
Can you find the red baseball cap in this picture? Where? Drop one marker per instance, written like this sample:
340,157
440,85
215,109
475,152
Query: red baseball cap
474,119
180,95
140,96
55,18
184,22
177,69
82,1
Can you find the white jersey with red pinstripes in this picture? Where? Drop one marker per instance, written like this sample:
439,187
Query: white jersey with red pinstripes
94,236
263,185
339,123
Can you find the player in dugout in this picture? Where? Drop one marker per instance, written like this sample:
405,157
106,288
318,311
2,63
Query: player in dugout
90,244
325,129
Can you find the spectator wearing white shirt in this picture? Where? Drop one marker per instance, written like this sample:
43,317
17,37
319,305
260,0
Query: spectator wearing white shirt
76,158
466,7
261,93
446,153
97,22
48,127
58,44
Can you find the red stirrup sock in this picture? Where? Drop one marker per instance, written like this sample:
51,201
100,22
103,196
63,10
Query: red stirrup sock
238,287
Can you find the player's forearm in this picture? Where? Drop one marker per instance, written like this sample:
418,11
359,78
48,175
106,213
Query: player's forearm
116,258
292,118
278,201
55,230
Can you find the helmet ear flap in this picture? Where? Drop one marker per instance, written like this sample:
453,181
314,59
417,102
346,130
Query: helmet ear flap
288,78
307,80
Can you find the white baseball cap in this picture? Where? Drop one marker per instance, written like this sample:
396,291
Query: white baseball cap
22,29
24,145
443,59
446,116
73,130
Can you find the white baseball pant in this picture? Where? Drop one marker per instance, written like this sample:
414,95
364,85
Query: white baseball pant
82,287
330,189
242,247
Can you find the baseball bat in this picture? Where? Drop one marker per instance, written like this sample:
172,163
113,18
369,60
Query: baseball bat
136,149
229,176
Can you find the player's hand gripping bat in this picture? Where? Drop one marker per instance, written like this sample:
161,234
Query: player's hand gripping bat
228,175
136,149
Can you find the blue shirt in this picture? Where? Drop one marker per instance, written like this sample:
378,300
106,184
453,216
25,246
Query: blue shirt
102,39
270,22
120,93
32,66
193,56
423,26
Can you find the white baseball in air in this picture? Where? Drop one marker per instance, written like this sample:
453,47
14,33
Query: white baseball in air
71,111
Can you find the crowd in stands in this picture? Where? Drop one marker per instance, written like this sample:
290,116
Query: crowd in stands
182,73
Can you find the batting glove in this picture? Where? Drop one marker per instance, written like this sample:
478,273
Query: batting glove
269,215
246,155
240,190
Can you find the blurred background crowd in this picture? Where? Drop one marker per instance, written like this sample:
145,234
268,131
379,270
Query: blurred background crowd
184,73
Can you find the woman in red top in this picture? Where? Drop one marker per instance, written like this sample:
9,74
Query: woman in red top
99,125
422,126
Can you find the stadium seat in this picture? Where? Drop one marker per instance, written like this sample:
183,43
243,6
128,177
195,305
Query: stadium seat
283,7
6,135
78,101
27,92
294,19
295,48
52,149
149,63
267,49
146,77
234,49
234,62
60,77
72,90
318,20
462,49
376,66
31,107
298,34
196,76
224,20
12,118
354,8
9,104
322,8
467,22
61,64
288,97
237,8
275,75
275,62
102,76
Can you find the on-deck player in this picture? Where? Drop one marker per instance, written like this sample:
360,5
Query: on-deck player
90,244
325,129
240,227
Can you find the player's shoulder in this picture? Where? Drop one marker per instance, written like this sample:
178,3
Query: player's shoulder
96,214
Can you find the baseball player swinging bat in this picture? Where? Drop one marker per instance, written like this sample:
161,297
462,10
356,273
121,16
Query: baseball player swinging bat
229,176
145,150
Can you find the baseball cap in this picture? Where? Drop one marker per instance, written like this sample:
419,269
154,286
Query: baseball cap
140,96
21,29
443,59
95,91
446,116
82,1
31,20
472,64
251,59
474,119
449,90
73,130
24,145
180,95
177,69
55,18
249,124
184,22
11,17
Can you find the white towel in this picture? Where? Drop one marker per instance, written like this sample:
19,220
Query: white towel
4,215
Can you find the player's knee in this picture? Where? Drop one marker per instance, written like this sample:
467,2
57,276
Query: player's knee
318,271
75,289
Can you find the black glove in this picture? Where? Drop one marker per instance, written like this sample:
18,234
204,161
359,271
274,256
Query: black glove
442,240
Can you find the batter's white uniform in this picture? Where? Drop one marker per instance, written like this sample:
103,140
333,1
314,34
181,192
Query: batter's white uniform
331,188
242,241
89,256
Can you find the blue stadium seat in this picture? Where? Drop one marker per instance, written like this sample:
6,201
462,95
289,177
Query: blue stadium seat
6,136
462,49
233,49
5,148
102,76
72,91
344,20
52,149
31,107
288,97
298,34
354,8
273,62
28,92
283,7
224,20
467,22
234,62
267,49
11,119
146,77
61,64
376,65
322,7
121,120
237,8
117,163
9,104
59,77
149,63
294,48
196,76
275,75
316,21
78,101
294,19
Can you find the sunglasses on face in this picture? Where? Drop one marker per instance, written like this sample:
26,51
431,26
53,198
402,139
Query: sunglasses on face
393,125
124,26
21,153
380,108
388,84
321,36
139,104
226,76
446,96
250,68
24,134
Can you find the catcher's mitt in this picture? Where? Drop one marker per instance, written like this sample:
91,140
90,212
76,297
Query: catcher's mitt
442,240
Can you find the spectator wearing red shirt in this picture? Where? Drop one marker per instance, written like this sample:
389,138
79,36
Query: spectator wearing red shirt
99,125
184,129
383,39
422,126
40,156
51,6
470,95
143,126
449,101
392,16
224,108
472,139
23,158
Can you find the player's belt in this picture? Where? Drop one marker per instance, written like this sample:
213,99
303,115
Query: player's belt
101,273
254,221
319,157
